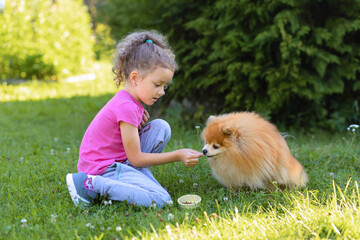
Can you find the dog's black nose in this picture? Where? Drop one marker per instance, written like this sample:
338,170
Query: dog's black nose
205,151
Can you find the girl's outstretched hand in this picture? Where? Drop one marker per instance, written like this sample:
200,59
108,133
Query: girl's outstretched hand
189,157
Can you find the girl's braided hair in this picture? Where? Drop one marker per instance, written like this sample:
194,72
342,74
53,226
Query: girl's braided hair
135,52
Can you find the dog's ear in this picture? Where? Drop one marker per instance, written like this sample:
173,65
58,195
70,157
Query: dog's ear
211,118
227,131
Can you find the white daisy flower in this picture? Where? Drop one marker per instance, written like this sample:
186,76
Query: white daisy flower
23,223
170,217
53,218
353,127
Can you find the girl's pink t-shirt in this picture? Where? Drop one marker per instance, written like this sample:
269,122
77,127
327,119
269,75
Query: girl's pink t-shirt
102,143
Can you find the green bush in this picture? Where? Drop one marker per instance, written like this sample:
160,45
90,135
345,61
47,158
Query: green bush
105,44
296,62
44,39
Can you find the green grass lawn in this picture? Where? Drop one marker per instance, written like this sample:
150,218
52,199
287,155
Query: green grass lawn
41,127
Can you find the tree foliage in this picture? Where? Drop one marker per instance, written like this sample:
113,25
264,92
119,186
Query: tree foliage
296,62
44,39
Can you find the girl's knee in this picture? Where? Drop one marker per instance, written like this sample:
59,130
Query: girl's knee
163,126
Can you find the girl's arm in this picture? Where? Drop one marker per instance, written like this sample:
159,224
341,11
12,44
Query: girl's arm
131,141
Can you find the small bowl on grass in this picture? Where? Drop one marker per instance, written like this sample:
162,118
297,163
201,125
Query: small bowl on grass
189,201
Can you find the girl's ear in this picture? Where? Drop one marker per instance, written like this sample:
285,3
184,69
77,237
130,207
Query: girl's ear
134,77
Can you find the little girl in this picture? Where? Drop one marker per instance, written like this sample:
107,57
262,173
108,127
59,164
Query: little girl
118,149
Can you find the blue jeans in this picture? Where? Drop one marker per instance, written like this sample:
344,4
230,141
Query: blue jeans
122,181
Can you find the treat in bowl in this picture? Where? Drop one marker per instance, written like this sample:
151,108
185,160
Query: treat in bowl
189,201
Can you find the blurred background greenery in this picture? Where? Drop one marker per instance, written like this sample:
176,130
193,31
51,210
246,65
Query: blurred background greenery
295,62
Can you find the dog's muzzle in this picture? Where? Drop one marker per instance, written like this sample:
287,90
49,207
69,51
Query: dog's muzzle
205,152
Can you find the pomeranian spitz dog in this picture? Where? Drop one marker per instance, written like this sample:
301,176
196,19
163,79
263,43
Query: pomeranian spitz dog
244,149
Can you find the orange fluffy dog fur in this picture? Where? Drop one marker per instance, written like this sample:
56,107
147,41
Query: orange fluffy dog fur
244,149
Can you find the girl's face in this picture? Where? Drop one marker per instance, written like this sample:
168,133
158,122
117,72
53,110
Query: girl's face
149,88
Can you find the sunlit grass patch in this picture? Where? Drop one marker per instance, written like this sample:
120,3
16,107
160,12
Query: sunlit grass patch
39,90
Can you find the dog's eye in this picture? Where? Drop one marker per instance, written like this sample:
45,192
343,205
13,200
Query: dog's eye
215,146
